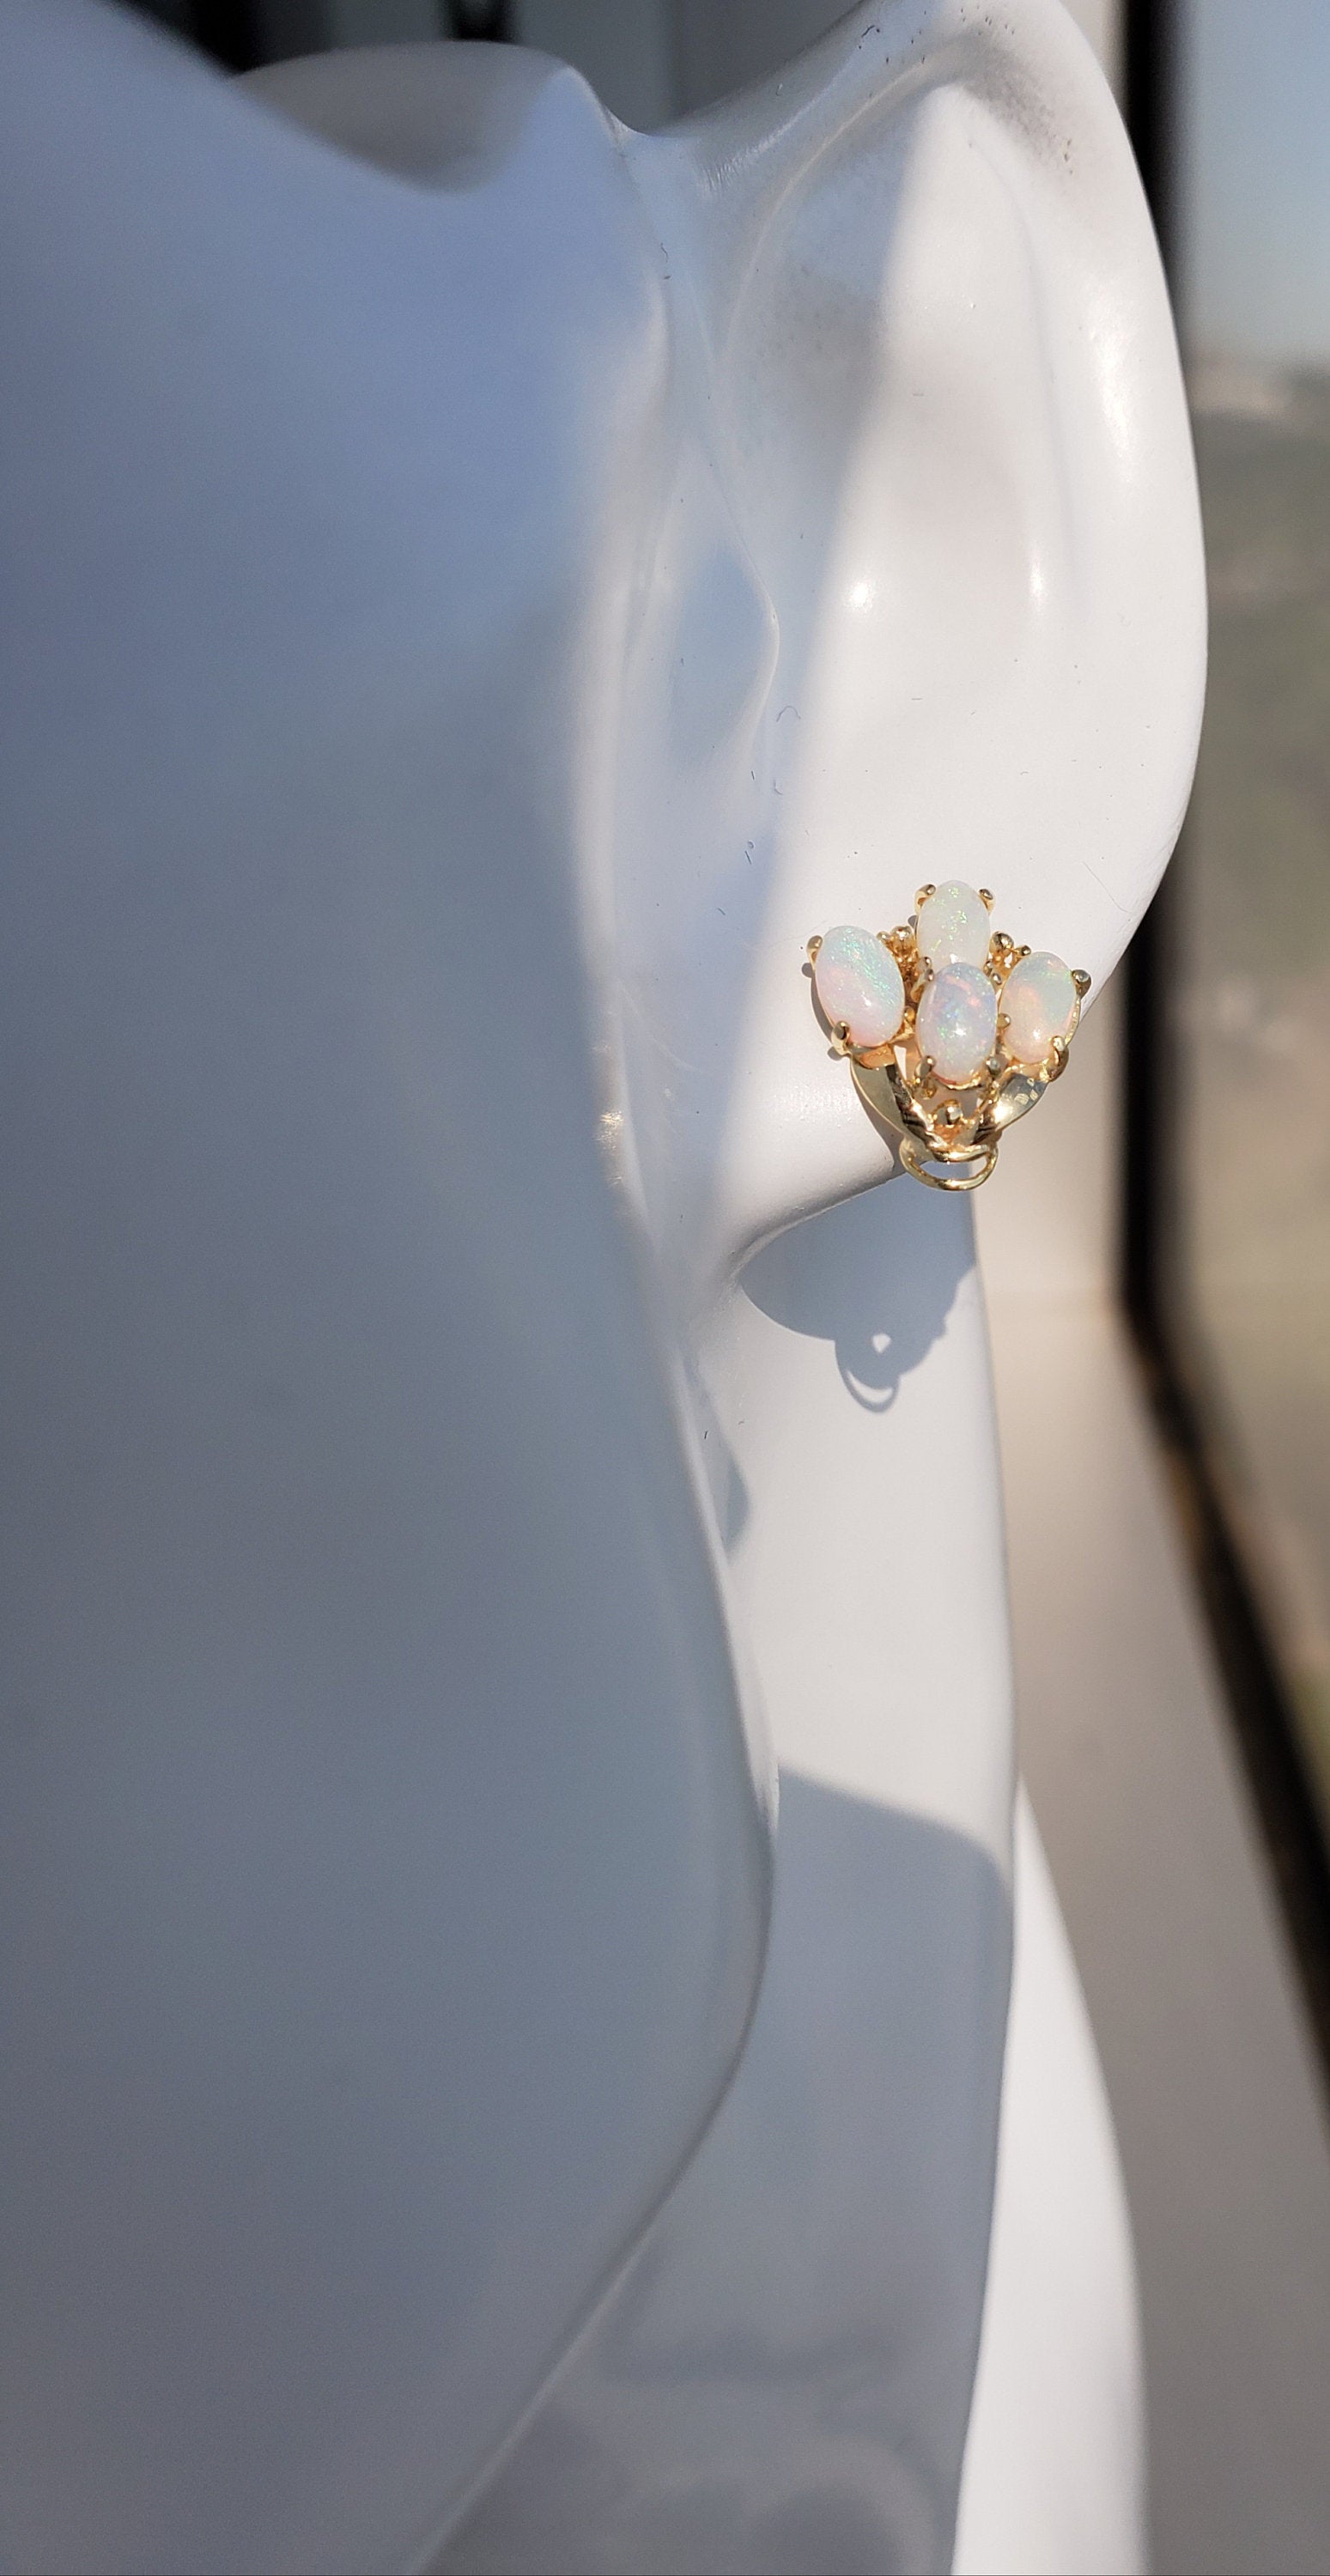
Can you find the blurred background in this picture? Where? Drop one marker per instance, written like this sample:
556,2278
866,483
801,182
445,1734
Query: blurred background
1157,1257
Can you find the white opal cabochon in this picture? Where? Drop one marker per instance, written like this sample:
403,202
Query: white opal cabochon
956,1023
952,926
858,985
1038,1004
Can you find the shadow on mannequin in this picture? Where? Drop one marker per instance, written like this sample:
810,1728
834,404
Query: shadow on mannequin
880,1290
877,1280
680,2439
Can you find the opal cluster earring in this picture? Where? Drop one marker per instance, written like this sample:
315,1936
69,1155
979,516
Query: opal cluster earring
952,1031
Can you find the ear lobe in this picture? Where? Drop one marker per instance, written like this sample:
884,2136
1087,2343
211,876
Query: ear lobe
952,430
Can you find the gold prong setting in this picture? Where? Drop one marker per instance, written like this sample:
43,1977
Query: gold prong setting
997,1023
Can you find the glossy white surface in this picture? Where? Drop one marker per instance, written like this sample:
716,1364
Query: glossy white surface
783,2383
481,522
382,1890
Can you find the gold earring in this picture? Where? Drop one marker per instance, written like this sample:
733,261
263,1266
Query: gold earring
952,1031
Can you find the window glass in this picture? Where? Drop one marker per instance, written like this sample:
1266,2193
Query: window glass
1252,992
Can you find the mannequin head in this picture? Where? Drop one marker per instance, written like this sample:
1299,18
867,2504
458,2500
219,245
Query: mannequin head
906,560
481,590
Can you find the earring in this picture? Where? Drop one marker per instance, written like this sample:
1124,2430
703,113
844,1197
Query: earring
952,1031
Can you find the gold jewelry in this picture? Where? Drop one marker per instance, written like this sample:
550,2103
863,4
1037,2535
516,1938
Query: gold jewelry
952,1031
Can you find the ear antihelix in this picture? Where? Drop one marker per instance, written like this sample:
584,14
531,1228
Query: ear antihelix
952,1031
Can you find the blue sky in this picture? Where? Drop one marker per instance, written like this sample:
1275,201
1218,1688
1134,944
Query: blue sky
1255,197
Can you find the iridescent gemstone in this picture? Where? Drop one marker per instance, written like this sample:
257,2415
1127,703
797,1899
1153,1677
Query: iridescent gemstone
952,928
956,1022
858,985
1039,1004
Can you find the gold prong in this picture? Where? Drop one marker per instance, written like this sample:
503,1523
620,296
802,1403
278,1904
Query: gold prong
1081,980
813,946
1023,952
1001,939
986,898
924,893
995,1065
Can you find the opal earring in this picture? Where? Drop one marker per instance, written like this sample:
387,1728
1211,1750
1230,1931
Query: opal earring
952,1031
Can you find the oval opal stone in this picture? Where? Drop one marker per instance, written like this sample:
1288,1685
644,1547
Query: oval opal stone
952,926
1039,1004
858,984
956,1022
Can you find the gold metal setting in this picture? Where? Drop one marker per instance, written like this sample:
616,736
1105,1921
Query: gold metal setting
958,1127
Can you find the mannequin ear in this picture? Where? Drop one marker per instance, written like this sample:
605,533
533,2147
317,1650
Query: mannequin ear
950,428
